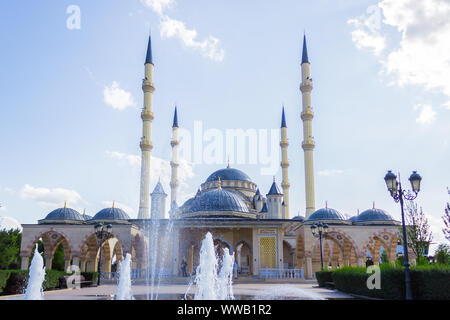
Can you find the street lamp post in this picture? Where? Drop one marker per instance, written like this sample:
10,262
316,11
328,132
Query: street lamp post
102,232
317,231
398,194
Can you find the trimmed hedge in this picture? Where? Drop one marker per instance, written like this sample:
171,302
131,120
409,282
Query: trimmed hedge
323,277
427,282
90,276
15,281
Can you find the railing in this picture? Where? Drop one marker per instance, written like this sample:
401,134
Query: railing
274,273
136,274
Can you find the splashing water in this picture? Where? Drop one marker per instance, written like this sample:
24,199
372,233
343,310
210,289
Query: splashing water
124,286
225,279
210,285
206,273
34,290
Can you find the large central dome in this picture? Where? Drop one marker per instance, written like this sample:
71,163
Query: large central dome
228,174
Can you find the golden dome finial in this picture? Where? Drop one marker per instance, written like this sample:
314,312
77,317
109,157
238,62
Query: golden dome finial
219,184
65,204
113,204
228,166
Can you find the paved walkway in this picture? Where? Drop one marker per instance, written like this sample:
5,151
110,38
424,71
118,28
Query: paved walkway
250,291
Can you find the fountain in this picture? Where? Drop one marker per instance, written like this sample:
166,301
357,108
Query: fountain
210,285
124,286
34,290
225,279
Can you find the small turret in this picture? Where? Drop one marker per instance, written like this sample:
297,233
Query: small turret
158,207
274,202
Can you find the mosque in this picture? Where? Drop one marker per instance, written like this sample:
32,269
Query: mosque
256,227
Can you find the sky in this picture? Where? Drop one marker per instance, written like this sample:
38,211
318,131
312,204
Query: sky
71,98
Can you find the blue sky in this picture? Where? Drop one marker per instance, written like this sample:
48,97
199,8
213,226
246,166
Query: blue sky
381,96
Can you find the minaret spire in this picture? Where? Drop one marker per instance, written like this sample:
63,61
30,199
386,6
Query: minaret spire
284,165
174,166
146,144
308,143
305,51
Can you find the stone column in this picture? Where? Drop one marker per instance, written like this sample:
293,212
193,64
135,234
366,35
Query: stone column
24,262
76,261
308,268
67,265
176,259
360,261
255,251
48,263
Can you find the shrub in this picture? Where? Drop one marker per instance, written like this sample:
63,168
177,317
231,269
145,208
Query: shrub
90,276
52,279
17,282
427,282
323,277
4,275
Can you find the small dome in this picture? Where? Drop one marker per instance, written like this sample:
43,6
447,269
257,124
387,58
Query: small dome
373,215
216,200
228,174
64,214
111,214
353,219
299,218
326,214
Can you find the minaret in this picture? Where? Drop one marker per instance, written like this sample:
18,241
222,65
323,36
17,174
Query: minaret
284,165
146,144
174,165
308,141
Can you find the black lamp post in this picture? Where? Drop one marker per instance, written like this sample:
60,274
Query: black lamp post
317,231
102,232
396,191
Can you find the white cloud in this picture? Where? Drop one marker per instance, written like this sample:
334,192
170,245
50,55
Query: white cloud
209,48
330,172
172,28
421,57
50,197
158,5
427,115
9,223
367,31
117,98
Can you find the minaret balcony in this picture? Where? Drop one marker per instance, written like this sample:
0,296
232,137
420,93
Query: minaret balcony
308,114
306,86
284,164
147,115
174,165
146,145
174,143
285,185
147,86
308,144
284,144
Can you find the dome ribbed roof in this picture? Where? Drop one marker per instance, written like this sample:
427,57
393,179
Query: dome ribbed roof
326,214
111,214
299,218
373,215
216,200
228,174
64,214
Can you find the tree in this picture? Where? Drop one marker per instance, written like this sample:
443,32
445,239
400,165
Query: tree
446,219
442,254
418,231
10,249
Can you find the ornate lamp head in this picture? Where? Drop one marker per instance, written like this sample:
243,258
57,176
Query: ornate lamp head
415,179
